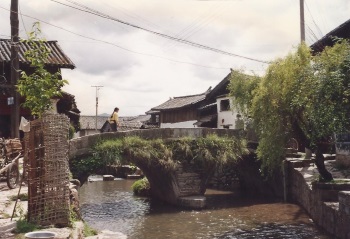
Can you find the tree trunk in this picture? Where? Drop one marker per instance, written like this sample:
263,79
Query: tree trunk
319,161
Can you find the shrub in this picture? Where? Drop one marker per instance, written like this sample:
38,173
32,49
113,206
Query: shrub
206,153
22,197
104,153
148,152
23,226
89,231
141,187
109,151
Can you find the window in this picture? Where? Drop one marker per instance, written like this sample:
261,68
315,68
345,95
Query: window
225,105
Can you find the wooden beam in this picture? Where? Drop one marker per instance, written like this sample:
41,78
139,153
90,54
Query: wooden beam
14,68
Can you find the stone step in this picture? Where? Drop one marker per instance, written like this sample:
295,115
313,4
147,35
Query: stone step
108,177
134,176
194,202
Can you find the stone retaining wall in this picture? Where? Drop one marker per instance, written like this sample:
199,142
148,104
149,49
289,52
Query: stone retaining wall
224,178
342,147
332,214
189,182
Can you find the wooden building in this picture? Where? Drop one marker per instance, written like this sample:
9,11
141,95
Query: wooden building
218,111
211,109
179,112
55,62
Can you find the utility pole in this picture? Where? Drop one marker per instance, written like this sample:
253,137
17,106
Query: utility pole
302,21
97,89
14,64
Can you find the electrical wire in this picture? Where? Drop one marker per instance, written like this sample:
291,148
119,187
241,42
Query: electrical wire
199,23
132,15
100,14
312,33
313,20
120,47
24,26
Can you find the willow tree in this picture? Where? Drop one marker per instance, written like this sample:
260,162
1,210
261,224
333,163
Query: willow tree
300,96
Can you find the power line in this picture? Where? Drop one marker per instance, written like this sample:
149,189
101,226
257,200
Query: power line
313,20
194,27
184,41
24,26
120,47
132,15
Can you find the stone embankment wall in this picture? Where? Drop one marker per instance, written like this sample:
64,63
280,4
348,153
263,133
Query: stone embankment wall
343,149
224,178
328,204
189,182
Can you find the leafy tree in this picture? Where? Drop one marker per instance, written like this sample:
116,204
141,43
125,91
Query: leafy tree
300,96
40,86
242,87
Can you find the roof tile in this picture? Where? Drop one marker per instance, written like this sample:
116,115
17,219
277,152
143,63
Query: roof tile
56,56
181,101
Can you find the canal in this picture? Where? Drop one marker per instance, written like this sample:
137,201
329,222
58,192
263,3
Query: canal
111,205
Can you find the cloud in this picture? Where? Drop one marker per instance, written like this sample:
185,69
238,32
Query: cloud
139,70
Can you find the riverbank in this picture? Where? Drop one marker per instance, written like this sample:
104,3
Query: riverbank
327,203
8,225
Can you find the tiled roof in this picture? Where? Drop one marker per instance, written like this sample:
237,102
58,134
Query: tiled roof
88,122
56,57
141,118
342,31
181,101
220,88
208,106
133,122
150,112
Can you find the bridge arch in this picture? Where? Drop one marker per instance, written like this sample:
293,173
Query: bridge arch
184,186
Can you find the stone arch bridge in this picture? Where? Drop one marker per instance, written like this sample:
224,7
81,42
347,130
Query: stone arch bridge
185,187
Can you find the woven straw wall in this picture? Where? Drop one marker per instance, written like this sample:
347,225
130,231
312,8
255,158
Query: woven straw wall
46,149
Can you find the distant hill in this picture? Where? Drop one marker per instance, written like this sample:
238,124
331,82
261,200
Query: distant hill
104,114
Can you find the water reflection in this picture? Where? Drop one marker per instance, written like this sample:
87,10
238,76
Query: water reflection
111,205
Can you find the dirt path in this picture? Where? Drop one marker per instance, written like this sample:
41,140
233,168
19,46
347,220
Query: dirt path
7,206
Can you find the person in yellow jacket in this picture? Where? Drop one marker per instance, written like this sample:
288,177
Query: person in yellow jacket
114,119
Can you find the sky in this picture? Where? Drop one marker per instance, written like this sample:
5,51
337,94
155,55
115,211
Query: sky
129,53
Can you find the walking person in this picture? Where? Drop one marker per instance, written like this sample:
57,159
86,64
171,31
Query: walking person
114,119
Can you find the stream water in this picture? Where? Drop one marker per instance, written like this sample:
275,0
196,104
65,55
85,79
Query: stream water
111,205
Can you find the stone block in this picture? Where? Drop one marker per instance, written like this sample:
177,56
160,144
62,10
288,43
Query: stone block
194,202
344,202
343,160
328,218
108,177
134,176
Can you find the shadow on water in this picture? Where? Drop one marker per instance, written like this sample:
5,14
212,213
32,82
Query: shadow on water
273,230
261,206
112,206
